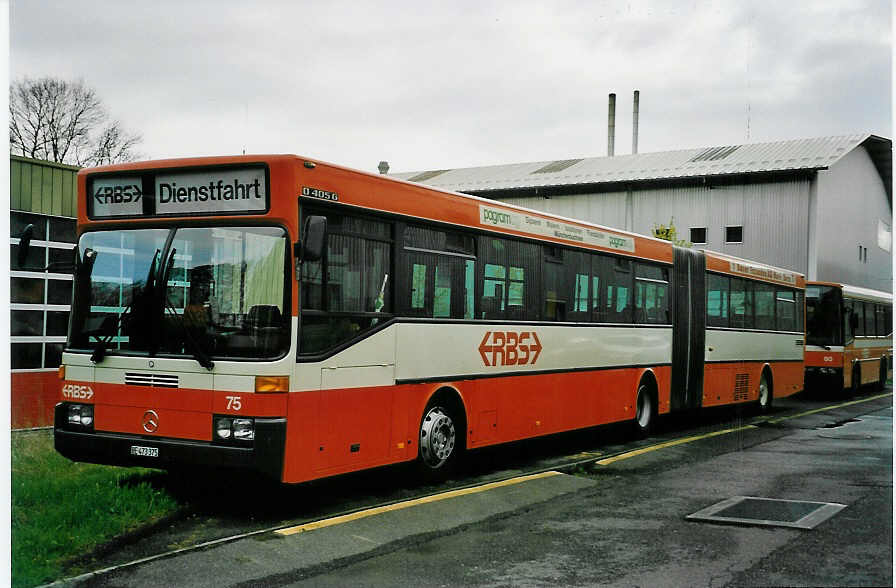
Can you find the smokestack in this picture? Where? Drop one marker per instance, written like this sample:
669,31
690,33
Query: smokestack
383,167
611,126
635,122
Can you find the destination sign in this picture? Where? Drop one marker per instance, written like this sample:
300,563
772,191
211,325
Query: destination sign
768,273
117,196
535,225
214,191
206,191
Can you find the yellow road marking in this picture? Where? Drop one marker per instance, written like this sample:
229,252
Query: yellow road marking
808,412
643,450
402,505
682,441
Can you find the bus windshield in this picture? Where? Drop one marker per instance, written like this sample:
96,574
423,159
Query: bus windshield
199,291
823,316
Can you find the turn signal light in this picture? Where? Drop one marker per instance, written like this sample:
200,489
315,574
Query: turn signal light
271,384
61,372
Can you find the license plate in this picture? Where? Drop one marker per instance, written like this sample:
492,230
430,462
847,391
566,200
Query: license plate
144,451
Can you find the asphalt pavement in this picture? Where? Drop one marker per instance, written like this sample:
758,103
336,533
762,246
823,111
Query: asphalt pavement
621,521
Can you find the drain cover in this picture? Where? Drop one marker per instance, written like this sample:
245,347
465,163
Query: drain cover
749,510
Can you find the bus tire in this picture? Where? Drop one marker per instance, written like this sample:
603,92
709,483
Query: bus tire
439,439
766,393
856,377
645,410
882,379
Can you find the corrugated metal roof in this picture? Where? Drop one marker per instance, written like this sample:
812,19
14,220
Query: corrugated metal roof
799,154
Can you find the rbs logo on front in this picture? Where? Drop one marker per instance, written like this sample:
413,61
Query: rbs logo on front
510,348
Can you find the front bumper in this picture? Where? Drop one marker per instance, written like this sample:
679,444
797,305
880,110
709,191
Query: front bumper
823,377
264,456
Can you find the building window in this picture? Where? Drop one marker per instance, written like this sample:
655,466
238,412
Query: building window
698,235
734,234
40,300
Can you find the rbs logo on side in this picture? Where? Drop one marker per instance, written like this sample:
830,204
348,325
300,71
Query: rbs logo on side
77,392
510,348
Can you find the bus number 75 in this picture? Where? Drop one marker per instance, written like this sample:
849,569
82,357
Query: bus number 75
234,403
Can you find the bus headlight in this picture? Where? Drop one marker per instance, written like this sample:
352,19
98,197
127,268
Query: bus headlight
243,429
234,430
80,415
223,428
87,415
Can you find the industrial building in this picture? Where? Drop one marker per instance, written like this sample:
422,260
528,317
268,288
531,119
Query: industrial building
820,206
43,194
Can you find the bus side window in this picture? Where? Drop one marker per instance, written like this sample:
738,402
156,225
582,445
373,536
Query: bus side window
848,330
619,292
765,306
600,270
717,293
741,303
870,331
858,311
880,319
785,309
554,299
515,267
494,282
651,294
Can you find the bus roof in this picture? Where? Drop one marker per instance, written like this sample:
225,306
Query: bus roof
856,291
730,264
353,187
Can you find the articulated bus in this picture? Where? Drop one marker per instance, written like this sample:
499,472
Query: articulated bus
303,320
849,336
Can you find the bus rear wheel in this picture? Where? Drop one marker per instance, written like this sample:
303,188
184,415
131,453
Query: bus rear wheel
645,411
765,394
439,442
882,380
856,377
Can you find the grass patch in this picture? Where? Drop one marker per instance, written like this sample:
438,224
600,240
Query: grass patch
62,510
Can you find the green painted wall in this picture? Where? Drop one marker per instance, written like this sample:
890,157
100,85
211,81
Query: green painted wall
43,187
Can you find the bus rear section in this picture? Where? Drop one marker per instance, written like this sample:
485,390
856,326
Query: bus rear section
849,337
754,332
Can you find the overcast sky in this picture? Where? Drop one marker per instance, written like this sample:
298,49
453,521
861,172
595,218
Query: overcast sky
454,84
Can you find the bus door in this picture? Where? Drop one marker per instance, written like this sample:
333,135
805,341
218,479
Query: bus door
688,329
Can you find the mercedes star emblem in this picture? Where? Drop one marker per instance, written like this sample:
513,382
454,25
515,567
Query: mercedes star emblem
150,421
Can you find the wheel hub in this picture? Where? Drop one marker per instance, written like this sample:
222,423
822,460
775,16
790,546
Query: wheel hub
437,437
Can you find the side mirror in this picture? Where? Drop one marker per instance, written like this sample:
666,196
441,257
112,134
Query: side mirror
24,244
314,238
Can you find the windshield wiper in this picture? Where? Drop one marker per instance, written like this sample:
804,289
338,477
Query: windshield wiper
110,330
196,349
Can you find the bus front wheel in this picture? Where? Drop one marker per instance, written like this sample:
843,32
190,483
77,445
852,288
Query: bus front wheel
439,440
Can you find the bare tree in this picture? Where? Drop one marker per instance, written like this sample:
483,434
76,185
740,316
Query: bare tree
66,122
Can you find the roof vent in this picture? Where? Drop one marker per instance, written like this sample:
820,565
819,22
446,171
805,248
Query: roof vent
715,153
557,166
422,177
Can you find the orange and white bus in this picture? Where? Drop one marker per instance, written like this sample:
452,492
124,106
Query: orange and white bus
399,323
849,336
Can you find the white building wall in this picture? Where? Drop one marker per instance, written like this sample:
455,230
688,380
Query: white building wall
607,209
852,202
773,215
